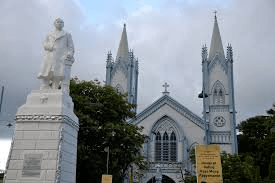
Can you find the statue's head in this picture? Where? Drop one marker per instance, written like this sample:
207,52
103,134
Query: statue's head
158,167
59,23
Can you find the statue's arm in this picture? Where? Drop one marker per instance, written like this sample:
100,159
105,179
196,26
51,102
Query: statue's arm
70,46
47,44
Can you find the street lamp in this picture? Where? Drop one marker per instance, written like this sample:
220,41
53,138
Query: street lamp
204,95
107,149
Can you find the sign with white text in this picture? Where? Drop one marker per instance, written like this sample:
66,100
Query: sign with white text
208,163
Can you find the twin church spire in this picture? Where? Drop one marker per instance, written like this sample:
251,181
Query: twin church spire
219,106
216,47
123,50
122,73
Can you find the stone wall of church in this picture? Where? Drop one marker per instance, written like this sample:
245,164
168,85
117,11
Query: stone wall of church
168,117
187,132
120,78
219,116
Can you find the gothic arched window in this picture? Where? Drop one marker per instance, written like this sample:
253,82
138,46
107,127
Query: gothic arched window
173,147
218,93
166,147
221,97
158,147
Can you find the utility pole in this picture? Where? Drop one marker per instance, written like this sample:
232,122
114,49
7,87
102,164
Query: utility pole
1,100
108,151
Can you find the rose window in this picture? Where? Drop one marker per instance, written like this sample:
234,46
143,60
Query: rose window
219,121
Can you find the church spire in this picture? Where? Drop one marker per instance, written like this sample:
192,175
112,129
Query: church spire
216,42
122,52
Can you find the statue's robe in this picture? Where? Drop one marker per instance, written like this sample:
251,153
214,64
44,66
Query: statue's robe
54,61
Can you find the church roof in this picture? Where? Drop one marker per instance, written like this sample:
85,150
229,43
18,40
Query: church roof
122,52
167,100
216,43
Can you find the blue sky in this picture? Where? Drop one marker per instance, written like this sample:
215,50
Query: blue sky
166,36
98,11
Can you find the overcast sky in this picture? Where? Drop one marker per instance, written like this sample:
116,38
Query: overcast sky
166,35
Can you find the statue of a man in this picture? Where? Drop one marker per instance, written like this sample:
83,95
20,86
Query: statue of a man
158,176
58,58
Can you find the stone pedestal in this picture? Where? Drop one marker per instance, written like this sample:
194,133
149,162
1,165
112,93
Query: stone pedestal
44,146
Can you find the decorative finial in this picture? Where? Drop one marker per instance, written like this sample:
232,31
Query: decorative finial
165,90
124,25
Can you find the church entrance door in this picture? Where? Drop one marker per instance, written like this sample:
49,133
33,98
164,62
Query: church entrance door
165,179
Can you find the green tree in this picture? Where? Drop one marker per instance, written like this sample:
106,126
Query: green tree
1,176
256,141
103,115
234,170
272,169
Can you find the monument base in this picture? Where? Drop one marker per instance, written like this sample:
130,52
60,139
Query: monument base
44,146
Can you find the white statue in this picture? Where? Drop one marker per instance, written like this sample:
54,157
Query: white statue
158,176
58,59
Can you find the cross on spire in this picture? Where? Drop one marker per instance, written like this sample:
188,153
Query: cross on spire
165,89
215,12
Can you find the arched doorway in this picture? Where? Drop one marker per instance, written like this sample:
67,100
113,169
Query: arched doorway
165,179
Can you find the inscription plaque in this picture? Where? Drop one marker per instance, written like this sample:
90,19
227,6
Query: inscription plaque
32,165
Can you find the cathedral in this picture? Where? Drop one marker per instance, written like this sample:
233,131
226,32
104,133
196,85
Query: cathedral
172,130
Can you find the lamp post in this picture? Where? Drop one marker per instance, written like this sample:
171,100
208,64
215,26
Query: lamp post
204,95
107,149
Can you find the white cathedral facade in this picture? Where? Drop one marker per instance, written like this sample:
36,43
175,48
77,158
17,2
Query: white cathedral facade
173,130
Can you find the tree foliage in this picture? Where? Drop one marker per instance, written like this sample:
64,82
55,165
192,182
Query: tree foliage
238,169
103,115
256,145
1,176
272,168
256,141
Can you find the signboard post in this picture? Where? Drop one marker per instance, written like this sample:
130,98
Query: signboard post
208,164
106,179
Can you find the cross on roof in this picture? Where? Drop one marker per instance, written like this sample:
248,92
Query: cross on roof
165,90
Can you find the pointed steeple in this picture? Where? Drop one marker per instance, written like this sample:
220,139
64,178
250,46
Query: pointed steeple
216,43
122,52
